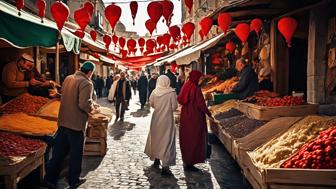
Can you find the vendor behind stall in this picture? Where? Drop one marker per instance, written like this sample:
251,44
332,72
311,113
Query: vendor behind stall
248,80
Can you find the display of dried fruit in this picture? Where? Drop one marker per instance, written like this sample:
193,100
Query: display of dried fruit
317,154
13,145
244,127
24,103
231,113
231,121
273,153
223,107
284,101
221,86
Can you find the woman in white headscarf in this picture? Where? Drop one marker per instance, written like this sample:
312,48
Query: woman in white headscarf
161,138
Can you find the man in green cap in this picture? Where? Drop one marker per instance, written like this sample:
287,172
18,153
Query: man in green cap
76,105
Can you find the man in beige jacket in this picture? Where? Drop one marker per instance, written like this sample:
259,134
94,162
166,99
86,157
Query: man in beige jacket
76,105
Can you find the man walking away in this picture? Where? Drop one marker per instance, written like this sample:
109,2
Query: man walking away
152,84
142,87
76,104
122,95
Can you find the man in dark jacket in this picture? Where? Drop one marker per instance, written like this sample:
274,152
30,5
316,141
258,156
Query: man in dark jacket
99,85
109,82
142,87
122,96
173,79
152,83
248,80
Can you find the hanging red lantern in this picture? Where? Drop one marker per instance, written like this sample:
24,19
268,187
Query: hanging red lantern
172,46
242,31
159,40
167,8
89,7
107,40
112,14
188,29
123,53
79,33
141,42
115,40
82,18
173,66
256,25
230,46
201,34
287,27
122,42
150,25
166,39
206,24
134,10
150,44
131,43
93,35
60,13
175,32
19,5
189,4
224,21
154,10
41,5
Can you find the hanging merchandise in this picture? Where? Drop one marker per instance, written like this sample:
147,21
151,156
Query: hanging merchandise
122,42
150,25
60,13
230,46
107,40
216,58
112,14
189,4
206,24
154,10
224,21
19,5
166,40
175,32
188,30
167,8
41,5
79,33
89,7
134,10
93,35
201,34
287,27
256,25
242,31
82,18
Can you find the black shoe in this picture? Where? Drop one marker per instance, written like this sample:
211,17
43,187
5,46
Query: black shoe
156,162
49,185
166,172
191,168
78,183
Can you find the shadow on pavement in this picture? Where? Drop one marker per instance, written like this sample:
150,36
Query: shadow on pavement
157,181
118,129
91,163
199,179
141,112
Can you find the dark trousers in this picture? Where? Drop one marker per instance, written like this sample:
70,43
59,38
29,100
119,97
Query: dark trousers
100,92
120,100
67,142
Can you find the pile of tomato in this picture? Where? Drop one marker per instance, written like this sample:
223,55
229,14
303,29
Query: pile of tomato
281,101
317,154
13,145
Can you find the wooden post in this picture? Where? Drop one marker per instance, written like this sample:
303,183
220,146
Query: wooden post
273,54
57,76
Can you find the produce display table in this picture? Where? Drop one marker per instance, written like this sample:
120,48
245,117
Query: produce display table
15,171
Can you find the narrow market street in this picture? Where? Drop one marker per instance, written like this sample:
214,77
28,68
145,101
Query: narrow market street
126,166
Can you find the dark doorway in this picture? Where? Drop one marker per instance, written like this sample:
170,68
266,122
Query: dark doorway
298,66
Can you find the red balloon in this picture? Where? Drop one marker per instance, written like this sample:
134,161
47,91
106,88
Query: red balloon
141,42
19,5
201,34
159,40
150,25
150,44
115,40
60,13
206,24
80,33
175,32
166,39
89,7
112,14
189,4
168,8
287,27
188,29
122,42
82,17
131,44
41,5
224,21
242,31
93,35
155,11
230,46
256,25
107,40
134,9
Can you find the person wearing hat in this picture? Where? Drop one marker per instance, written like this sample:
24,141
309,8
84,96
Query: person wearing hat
14,80
76,105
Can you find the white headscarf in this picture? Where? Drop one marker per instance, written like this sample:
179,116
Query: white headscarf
163,86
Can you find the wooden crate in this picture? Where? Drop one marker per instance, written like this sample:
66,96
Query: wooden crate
95,147
268,113
16,171
96,132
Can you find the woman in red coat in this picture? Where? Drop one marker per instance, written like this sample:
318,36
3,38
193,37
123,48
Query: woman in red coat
193,128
